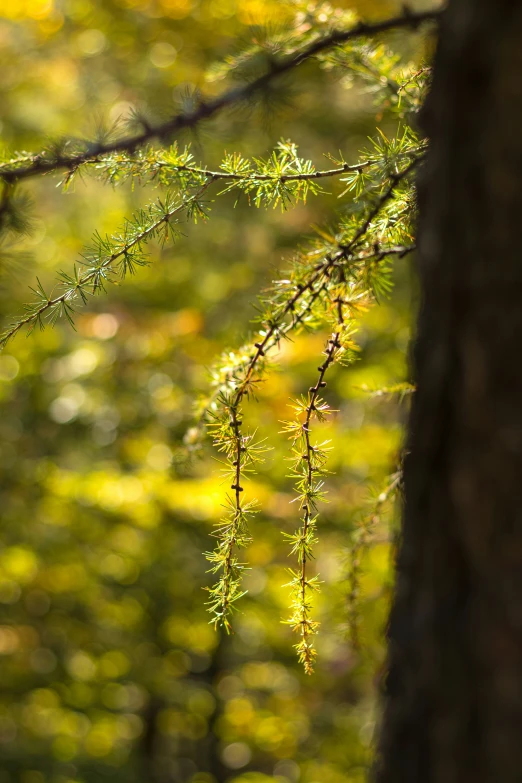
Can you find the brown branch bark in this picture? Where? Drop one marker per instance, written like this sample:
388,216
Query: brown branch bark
453,694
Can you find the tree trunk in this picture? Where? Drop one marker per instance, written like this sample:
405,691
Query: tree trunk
453,695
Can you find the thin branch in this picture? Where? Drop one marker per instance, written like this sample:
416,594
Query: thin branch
277,331
303,177
225,421
380,203
40,164
360,547
309,464
35,315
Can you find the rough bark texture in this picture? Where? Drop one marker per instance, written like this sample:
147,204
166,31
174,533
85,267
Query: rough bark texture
453,695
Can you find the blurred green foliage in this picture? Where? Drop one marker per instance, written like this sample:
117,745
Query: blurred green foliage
110,669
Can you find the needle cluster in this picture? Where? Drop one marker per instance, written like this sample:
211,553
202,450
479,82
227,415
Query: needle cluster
309,459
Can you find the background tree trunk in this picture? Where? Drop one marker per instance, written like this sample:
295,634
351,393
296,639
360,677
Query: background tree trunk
453,701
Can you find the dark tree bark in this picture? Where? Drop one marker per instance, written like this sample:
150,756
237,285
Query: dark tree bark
453,694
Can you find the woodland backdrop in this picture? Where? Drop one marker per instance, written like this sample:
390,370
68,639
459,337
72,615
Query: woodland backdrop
110,669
